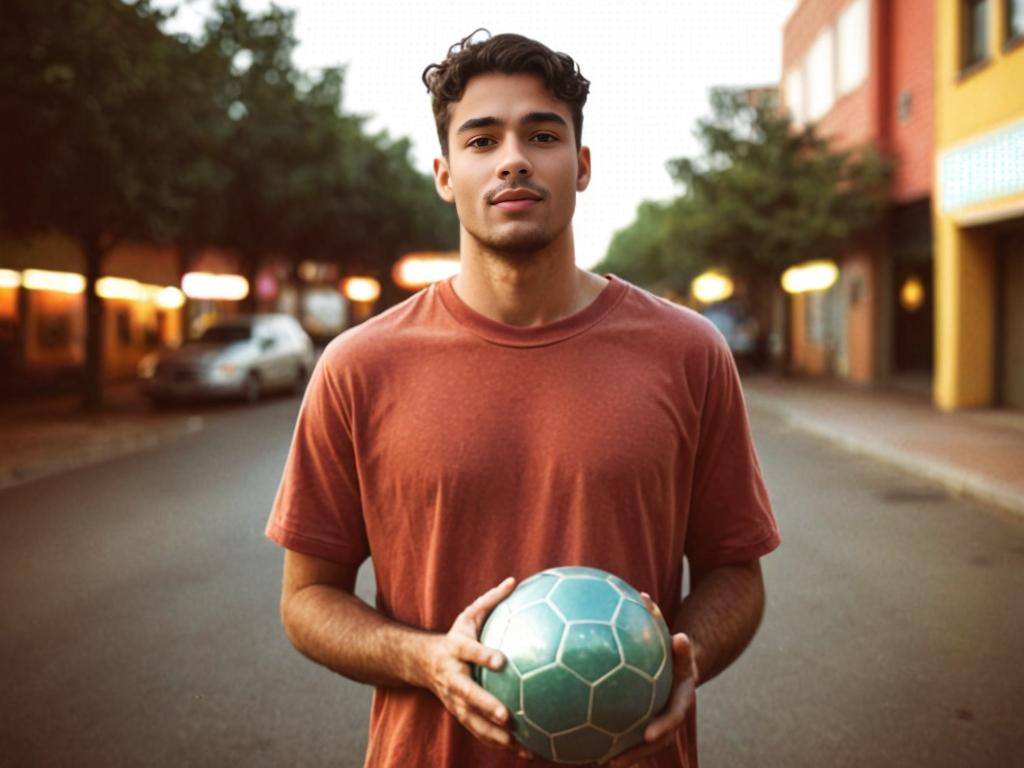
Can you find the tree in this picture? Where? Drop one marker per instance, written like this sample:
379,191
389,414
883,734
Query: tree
764,196
305,179
105,114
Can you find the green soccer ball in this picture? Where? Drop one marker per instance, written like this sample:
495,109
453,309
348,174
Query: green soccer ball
587,665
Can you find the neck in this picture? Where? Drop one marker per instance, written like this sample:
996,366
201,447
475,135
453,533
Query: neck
524,292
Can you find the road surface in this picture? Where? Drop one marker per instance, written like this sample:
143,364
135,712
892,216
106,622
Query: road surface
140,619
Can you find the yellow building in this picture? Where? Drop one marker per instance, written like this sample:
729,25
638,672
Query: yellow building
978,206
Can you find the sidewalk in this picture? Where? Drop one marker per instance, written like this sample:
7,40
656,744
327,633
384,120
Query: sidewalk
975,453
45,436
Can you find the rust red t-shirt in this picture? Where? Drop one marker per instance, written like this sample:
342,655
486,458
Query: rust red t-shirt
457,451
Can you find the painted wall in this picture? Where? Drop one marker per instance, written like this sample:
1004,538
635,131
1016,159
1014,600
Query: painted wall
979,181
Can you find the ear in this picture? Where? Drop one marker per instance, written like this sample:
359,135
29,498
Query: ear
443,180
583,169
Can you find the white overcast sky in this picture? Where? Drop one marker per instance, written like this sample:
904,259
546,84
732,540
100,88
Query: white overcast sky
650,64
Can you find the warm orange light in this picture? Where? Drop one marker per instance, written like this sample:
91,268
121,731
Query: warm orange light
59,282
9,278
810,276
416,270
205,285
711,287
911,294
168,298
361,289
120,288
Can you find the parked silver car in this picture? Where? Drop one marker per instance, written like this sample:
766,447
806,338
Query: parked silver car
242,356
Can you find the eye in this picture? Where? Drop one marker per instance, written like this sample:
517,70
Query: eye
545,138
476,143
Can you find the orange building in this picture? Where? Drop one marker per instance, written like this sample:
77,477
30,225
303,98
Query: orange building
862,72
42,308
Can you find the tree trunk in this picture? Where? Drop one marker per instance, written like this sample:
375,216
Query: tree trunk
92,400
250,271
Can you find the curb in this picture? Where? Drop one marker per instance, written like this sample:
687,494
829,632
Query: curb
951,477
96,453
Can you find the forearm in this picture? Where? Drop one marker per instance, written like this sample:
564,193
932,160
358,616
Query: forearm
338,630
721,615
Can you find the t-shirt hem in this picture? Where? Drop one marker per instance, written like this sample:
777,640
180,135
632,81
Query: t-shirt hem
308,545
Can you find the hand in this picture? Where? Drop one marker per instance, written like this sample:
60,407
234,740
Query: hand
660,731
450,676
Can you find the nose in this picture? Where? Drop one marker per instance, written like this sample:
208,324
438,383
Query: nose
514,162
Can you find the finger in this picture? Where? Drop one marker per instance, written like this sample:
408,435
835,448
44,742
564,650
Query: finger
652,607
487,731
477,610
478,699
683,692
475,652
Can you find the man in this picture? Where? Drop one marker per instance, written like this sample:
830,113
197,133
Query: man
524,415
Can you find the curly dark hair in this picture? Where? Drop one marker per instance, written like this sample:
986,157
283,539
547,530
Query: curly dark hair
511,55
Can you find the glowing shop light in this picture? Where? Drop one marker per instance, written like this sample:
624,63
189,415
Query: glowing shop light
9,278
417,270
205,285
711,287
810,276
120,288
362,289
168,298
59,282
912,294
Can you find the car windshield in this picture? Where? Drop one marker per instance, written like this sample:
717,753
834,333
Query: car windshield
225,334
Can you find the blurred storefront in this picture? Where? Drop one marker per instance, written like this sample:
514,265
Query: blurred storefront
979,206
862,71
42,308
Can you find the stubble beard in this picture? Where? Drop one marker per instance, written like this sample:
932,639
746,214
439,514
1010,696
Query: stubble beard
520,247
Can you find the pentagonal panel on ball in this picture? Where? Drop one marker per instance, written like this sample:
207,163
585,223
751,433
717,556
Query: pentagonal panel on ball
583,745
555,699
504,685
582,599
494,627
642,640
532,638
621,700
590,650
626,589
531,590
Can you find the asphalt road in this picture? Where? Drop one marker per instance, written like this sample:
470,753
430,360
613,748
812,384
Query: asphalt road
140,625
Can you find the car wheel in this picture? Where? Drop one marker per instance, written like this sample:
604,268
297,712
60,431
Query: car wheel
253,389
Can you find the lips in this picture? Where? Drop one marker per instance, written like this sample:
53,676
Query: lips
515,199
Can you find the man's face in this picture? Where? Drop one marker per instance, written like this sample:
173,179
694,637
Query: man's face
512,170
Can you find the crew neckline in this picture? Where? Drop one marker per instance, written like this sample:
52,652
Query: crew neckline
537,335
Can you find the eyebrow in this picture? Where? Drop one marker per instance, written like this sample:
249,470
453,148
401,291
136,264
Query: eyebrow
528,119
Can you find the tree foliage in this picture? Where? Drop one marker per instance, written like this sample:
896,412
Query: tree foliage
115,130
759,198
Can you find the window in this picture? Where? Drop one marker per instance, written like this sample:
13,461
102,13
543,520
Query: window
975,32
1014,19
853,33
795,95
820,76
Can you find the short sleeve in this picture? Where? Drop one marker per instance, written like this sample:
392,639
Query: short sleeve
730,518
317,510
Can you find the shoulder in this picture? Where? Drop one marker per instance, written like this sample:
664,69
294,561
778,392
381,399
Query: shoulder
380,336
666,322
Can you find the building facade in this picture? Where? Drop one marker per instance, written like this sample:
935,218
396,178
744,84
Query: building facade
862,72
42,308
979,204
